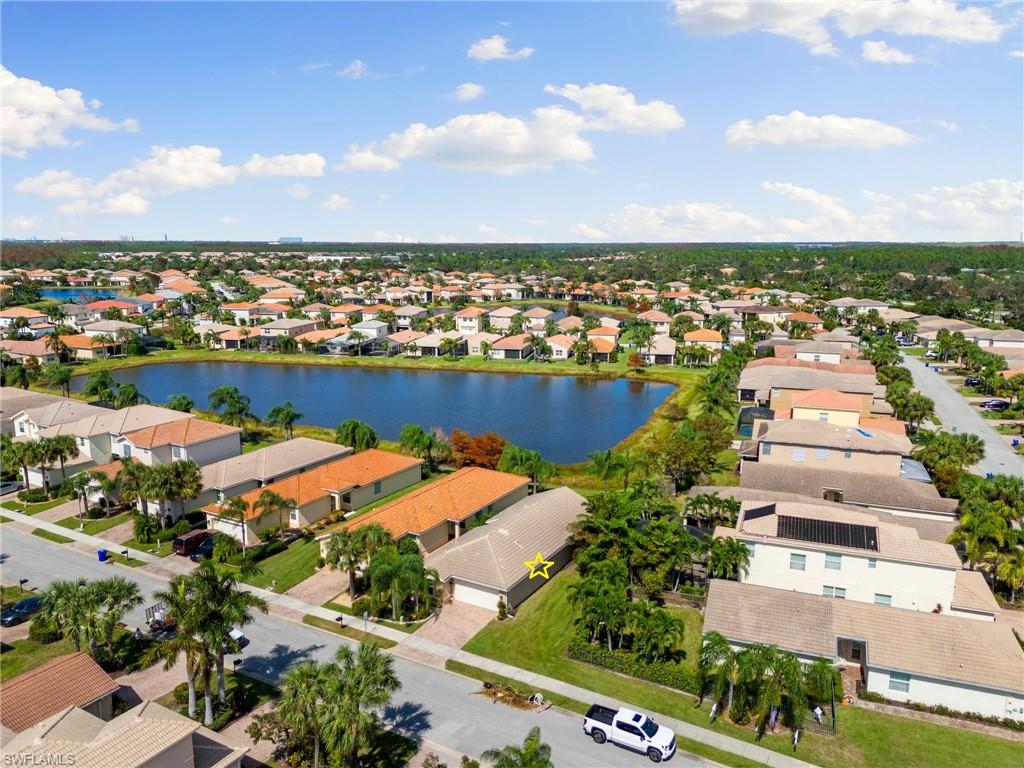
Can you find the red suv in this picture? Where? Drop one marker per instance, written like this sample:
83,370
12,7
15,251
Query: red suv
186,544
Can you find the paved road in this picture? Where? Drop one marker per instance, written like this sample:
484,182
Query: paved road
956,412
432,704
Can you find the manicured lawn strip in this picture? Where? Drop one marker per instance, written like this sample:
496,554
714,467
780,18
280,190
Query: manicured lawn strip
20,656
537,639
117,557
407,628
97,526
346,631
4,519
161,550
42,533
288,568
33,509
10,595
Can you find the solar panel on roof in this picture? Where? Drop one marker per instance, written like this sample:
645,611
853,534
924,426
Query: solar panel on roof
828,532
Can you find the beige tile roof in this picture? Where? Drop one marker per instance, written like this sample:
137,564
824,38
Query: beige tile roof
61,412
181,432
971,593
493,554
271,462
828,399
118,422
815,433
72,680
947,647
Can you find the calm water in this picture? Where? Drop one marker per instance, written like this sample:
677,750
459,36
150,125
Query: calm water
76,295
563,417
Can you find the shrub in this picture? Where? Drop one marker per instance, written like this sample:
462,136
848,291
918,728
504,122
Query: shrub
42,630
95,513
145,528
225,547
320,562
502,609
180,528
660,672
269,533
33,496
361,605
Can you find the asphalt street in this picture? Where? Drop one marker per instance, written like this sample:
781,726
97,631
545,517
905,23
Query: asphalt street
956,413
432,704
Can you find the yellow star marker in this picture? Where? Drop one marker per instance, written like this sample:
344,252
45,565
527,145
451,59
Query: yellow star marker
539,566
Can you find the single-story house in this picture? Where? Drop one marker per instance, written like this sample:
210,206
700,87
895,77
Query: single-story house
433,345
439,512
487,563
662,351
518,347
474,343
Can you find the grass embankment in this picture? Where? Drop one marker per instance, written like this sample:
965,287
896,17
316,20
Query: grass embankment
56,538
539,635
346,631
33,509
97,526
284,570
407,628
20,656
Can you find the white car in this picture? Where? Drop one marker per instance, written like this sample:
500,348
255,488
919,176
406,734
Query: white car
629,729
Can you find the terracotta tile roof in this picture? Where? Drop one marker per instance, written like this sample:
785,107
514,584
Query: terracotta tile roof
81,341
803,317
561,340
21,312
182,432
603,345
73,680
321,335
110,470
519,341
404,337
603,331
829,399
471,312
703,334
454,497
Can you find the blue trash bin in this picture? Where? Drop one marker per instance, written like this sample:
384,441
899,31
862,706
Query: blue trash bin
102,555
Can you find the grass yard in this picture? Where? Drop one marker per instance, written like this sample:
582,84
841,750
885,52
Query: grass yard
97,526
284,570
20,656
10,595
407,628
33,509
56,538
539,635
347,631
161,550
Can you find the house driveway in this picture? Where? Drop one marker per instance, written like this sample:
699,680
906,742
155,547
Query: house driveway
455,624
118,533
58,513
321,587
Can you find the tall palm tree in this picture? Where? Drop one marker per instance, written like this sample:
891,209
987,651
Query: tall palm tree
1010,570
66,606
100,386
182,403
128,395
727,558
356,434
534,753
273,503
231,405
118,595
346,550
719,669
237,508
303,694
184,611
20,454
134,480
64,447
284,416
359,684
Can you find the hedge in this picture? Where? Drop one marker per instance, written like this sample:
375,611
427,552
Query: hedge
665,673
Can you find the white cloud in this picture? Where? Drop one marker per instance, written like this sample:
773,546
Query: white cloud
984,210
482,142
34,115
298,191
495,48
356,70
380,236
1017,54
616,109
468,92
800,130
167,170
310,164
23,222
808,22
880,52
947,125
229,220
336,202
313,66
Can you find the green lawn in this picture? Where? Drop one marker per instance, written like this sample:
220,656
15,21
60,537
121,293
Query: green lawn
20,656
97,526
348,631
538,637
407,628
32,509
56,538
161,550
9,595
284,570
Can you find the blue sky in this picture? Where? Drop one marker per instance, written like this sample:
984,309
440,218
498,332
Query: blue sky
687,121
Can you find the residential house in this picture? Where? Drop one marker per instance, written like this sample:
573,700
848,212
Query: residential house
821,352
537,319
813,321
661,321
471,320
561,346
112,328
902,655
342,486
518,347
705,337
570,323
287,327
604,348
30,421
474,343
22,350
485,565
501,318
14,400
409,314
195,439
433,345
662,351
83,347
440,511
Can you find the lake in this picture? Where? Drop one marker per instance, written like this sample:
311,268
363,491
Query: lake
563,417
72,295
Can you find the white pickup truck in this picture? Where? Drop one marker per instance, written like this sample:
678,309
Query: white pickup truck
629,729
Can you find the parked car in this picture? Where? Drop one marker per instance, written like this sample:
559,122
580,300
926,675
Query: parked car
20,611
239,640
630,729
995,405
905,343
203,550
187,543
972,381
10,486
930,355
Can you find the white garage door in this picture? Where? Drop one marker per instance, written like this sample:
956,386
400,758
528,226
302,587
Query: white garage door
474,595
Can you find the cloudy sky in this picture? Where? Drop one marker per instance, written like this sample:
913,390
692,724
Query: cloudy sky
716,120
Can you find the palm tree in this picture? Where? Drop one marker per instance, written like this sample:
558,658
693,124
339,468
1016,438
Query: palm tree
59,376
719,669
534,753
359,683
185,612
284,416
66,607
55,344
346,549
21,454
118,595
128,395
1010,570
981,533
356,339
100,386
271,503
234,404
602,466
303,694
62,448
174,483
237,508
356,434
449,346
727,558
778,677
182,403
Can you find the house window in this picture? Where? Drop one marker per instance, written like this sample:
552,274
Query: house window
833,562
797,562
838,592
766,449
872,563
817,358
293,515
832,494
847,453
177,452
799,454
823,416
885,600
126,451
81,442
821,454
750,548
855,652
775,391
376,488
21,428
898,681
